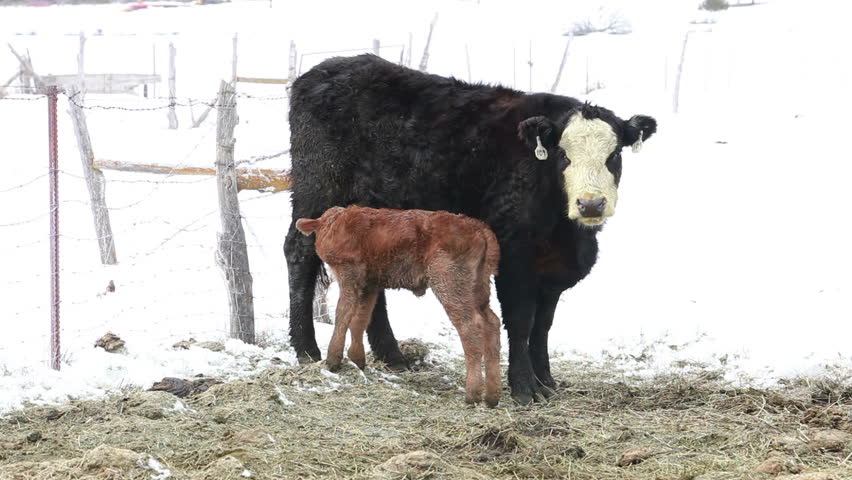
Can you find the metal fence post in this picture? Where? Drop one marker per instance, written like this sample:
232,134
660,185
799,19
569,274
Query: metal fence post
53,171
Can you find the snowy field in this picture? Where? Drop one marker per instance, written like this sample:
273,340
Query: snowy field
730,246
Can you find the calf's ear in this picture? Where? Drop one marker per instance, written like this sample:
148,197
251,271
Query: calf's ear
638,129
539,134
307,225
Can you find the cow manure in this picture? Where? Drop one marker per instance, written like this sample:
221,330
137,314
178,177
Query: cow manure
225,468
212,346
184,344
418,465
634,455
501,440
835,416
182,388
415,351
151,405
111,343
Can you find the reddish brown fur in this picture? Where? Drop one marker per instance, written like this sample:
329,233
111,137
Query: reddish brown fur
372,249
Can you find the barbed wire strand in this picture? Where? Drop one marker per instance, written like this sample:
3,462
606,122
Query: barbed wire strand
16,187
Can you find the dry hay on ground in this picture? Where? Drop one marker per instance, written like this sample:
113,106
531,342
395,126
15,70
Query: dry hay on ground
305,422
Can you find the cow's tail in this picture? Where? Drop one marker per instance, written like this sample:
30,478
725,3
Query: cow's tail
323,278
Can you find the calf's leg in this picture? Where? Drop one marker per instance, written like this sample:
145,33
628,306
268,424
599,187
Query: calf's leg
493,382
347,309
360,319
450,288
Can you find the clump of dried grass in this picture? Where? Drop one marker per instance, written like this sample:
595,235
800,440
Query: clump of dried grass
305,422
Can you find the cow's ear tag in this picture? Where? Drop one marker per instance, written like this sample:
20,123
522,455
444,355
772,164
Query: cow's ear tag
637,145
540,151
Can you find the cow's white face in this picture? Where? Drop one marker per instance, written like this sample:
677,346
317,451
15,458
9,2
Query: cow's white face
591,187
591,138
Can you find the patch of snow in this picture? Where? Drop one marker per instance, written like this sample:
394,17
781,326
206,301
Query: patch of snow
283,398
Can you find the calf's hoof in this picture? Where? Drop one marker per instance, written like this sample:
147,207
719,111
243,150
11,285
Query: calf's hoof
492,400
332,363
472,398
359,362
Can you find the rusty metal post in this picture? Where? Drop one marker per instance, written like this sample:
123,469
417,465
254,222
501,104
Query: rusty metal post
53,171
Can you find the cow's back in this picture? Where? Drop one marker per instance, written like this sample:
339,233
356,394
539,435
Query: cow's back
367,131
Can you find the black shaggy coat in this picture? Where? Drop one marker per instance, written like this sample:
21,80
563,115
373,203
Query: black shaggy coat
368,132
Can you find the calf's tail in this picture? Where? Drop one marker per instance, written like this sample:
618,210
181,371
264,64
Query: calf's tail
492,252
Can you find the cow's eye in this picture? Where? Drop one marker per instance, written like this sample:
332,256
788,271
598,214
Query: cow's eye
564,161
616,157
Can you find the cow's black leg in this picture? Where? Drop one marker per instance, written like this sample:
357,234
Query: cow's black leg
302,268
382,342
517,304
545,309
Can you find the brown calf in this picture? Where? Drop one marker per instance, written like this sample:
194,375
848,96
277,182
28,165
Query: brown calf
372,249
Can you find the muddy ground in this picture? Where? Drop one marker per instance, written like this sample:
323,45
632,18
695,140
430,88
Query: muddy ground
305,422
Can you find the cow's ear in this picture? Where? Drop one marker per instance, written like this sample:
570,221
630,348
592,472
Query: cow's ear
638,129
539,134
307,225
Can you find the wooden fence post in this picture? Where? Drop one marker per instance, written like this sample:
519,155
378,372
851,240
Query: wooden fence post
232,254
561,64
410,47
292,69
234,63
154,69
173,121
530,63
467,59
94,180
424,60
676,94
321,298
81,73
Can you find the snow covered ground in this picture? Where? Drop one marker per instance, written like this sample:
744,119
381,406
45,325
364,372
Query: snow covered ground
730,244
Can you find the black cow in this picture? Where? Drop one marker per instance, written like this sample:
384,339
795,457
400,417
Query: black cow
541,170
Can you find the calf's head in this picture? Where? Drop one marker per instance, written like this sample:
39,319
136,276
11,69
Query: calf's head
591,138
310,225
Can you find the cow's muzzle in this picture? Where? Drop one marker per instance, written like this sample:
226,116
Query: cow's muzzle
591,208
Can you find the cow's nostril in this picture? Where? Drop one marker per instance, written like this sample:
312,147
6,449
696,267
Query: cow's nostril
591,207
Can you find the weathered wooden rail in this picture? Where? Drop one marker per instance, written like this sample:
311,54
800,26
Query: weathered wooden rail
263,179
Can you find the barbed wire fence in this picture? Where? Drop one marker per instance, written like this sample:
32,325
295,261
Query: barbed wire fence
151,191
165,226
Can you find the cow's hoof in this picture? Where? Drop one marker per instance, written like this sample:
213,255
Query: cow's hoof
537,394
397,367
524,398
547,381
547,391
395,362
304,358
